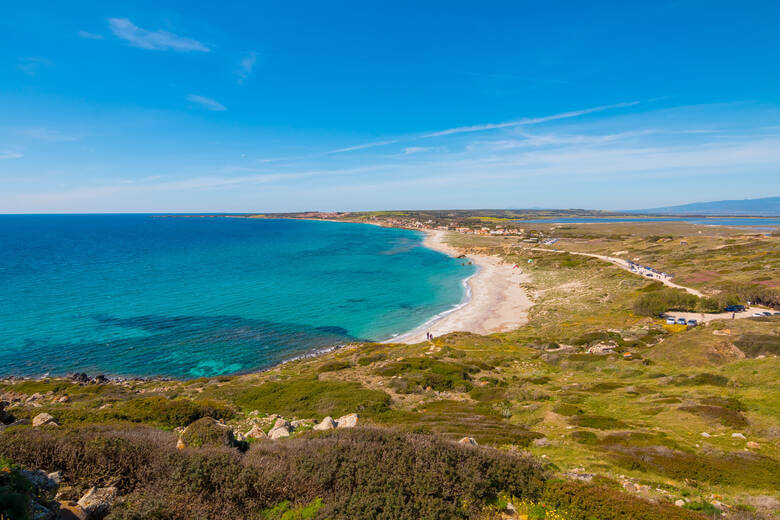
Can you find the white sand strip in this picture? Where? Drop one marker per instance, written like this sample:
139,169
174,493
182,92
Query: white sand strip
498,303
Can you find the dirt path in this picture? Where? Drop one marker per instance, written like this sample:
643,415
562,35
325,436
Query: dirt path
623,264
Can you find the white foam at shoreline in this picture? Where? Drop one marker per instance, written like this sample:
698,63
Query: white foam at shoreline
438,317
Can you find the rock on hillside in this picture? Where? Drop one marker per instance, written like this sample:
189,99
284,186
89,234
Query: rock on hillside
326,424
347,421
43,419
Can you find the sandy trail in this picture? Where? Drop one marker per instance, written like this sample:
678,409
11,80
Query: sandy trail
498,303
623,264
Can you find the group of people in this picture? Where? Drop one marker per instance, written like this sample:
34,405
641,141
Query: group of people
429,336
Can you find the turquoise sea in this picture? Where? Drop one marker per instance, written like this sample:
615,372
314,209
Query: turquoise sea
188,297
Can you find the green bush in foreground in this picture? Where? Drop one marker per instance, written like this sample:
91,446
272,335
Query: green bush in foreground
342,474
358,473
15,492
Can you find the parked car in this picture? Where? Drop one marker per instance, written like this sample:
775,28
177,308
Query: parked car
735,308
670,321
758,315
767,313
681,321
692,323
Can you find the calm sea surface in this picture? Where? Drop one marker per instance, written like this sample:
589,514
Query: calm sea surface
190,297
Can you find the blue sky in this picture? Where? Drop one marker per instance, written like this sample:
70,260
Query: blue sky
286,106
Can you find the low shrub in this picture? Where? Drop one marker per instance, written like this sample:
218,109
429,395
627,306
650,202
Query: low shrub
487,393
585,437
206,432
568,409
583,501
598,422
373,358
726,402
170,413
725,416
94,455
421,373
456,419
592,338
311,398
333,366
700,379
759,344
537,380
15,492
605,386
703,506
343,474
738,468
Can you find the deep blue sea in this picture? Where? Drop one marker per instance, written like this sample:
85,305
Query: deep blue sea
190,297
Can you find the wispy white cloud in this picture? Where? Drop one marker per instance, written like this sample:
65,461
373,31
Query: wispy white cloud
90,36
153,40
484,127
246,66
527,121
415,149
207,103
32,65
362,146
10,155
47,134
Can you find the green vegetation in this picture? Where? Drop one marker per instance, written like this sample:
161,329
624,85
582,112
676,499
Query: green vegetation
155,410
436,480
206,432
310,398
585,502
686,412
333,366
659,301
597,422
284,511
15,491
759,344
423,373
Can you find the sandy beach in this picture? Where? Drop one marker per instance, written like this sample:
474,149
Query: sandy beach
498,303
